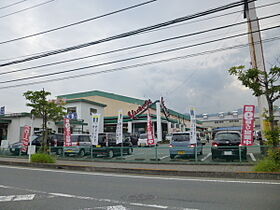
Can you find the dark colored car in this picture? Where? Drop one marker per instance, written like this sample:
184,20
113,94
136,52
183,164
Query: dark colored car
107,146
55,141
227,144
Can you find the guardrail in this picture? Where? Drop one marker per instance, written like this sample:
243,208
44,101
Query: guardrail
156,154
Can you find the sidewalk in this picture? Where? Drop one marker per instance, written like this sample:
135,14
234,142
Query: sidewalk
216,171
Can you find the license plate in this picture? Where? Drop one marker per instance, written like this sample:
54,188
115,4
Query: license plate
98,145
227,152
181,152
69,151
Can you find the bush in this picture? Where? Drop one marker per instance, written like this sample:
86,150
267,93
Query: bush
268,165
42,158
274,154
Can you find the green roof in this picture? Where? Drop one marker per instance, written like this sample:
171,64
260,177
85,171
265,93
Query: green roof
13,115
118,98
86,101
5,121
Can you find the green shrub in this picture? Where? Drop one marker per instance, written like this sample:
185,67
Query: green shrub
274,154
268,165
42,158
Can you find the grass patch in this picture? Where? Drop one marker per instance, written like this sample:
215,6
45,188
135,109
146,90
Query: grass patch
268,165
42,158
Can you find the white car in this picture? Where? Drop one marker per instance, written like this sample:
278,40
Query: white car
143,140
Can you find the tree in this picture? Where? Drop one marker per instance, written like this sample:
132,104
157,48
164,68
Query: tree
47,110
261,83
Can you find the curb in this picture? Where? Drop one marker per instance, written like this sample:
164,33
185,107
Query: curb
164,172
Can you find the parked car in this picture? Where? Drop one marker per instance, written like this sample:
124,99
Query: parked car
227,144
107,145
168,137
80,145
55,141
143,140
180,145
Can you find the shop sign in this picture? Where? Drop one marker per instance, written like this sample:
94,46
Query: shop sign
67,133
2,110
248,125
163,107
133,113
25,139
95,119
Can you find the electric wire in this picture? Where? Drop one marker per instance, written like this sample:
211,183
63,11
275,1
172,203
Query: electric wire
13,4
78,22
27,8
127,34
137,46
145,64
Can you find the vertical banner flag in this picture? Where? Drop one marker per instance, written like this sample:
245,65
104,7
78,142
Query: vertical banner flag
150,131
248,125
25,139
119,130
159,129
193,126
67,133
2,110
95,120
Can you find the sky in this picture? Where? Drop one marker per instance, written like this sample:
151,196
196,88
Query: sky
201,81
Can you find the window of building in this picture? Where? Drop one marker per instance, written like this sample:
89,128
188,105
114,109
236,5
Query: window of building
71,109
92,111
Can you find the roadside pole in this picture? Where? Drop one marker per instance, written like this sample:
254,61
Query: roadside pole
159,129
30,139
256,52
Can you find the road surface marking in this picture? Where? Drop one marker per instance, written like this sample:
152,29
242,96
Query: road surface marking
17,198
207,156
119,207
164,157
252,157
145,177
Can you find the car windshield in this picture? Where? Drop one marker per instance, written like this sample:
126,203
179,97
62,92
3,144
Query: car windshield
181,137
228,136
143,136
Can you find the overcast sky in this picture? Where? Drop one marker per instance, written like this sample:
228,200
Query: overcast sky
200,81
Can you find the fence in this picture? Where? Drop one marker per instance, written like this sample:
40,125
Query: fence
159,154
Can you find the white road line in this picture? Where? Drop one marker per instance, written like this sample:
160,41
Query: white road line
207,156
164,157
145,177
17,198
252,157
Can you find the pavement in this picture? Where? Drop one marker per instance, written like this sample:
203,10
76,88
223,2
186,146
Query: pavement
190,170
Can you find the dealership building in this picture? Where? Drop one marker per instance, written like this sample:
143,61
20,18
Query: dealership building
81,105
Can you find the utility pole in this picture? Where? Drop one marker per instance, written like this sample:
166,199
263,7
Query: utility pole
256,51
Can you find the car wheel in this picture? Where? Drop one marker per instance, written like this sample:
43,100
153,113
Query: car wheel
59,152
82,153
172,156
110,154
201,153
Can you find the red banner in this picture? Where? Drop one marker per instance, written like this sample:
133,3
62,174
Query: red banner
150,131
248,125
25,139
67,133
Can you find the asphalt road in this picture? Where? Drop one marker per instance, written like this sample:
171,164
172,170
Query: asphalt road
30,188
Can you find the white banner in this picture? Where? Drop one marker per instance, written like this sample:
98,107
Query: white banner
95,120
193,139
119,130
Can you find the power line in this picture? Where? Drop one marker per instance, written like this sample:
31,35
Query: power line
144,64
147,44
130,33
132,58
194,21
77,23
10,5
28,8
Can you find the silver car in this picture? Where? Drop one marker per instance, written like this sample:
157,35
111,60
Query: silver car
80,145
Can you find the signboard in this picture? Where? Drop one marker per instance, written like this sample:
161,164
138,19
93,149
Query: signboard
4,144
2,110
31,150
150,130
248,125
193,139
95,119
133,113
119,130
67,133
25,139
